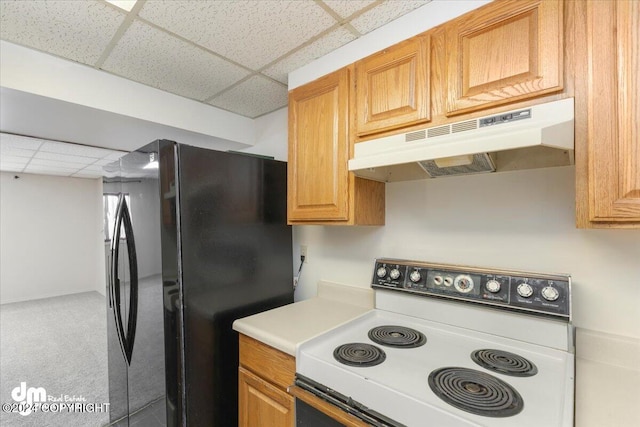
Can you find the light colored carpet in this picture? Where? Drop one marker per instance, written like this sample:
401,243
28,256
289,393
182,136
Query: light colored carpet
59,344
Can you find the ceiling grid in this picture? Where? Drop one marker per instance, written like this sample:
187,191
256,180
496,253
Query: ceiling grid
234,54
248,44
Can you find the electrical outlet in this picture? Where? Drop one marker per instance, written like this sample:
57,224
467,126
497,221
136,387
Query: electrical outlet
303,252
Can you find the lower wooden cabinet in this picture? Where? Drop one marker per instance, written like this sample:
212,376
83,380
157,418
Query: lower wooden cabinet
262,404
264,376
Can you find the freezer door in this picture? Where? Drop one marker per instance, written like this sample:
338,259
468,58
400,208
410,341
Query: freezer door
124,282
144,332
117,364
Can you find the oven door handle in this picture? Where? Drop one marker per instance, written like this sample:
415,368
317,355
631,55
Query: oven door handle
347,413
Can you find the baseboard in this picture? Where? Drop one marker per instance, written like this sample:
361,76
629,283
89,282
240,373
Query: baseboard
46,296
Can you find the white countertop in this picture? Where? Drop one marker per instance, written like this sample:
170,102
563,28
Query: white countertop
284,328
607,379
607,366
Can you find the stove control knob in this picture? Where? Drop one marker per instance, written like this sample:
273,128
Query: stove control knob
524,290
492,286
463,283
549,293
448,281
394,274
437,280
381,272
415,276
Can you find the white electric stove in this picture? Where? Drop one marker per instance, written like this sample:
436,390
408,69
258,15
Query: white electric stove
450,346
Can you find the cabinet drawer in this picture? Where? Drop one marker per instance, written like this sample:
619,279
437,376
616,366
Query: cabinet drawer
266,361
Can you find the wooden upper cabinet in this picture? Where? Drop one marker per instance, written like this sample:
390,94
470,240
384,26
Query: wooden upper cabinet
319,149
508,51
613,111
321,190
392,87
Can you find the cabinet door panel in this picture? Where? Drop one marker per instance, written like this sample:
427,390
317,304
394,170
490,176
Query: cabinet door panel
319,150
614,110
261,404
393,88
509,51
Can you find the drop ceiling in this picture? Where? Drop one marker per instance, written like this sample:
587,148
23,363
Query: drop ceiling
234,55
45,157
231,54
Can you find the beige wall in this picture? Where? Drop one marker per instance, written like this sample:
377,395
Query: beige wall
50,236
514,220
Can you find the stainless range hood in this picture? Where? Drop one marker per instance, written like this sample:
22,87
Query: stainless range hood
533,137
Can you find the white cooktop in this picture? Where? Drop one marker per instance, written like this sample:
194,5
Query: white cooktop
398,388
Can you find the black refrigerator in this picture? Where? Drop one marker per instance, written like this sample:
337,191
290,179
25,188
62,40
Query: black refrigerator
197,238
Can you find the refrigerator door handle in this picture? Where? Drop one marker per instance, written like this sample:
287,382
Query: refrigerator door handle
115,281
109,277
133,277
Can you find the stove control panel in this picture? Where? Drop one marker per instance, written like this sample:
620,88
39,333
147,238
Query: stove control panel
531,292
390,274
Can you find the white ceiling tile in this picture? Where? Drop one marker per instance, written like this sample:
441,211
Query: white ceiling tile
8,140
252,33
103,162
87,175
150,56
15,152
115,155
78,30
74,149
91,168
384,13
49,170
57,164
64,158
14,159
53,158
346,8
243,97
336,38
11,167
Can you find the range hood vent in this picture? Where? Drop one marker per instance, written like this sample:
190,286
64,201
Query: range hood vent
534,137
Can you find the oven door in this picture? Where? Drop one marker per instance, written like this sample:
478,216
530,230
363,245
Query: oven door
309,416
319,406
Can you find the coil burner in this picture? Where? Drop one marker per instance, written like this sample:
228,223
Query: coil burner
397,336
359,354
475,392
453,346
504,362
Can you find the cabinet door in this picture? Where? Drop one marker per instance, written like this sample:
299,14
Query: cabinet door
507,51
392,87
614,110
319,149
262,404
